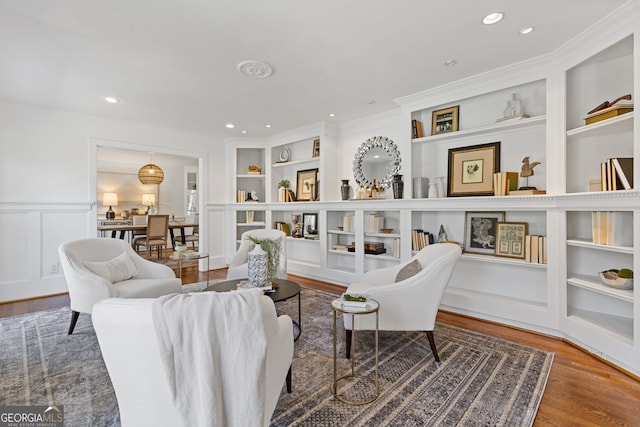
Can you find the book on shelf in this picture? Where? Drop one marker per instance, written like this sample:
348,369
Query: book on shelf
282,226
416,129
340,247
623,167
608,113
504,183
535,249
347,223
396,248
611,228
373,223
595,185
526,192
421,239
616,173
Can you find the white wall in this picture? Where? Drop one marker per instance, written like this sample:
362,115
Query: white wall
48,192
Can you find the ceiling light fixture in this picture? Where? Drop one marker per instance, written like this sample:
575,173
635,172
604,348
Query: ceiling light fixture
229,125
112,100
267,126
332,114
255,69
450,62
493,18
526,30
244,131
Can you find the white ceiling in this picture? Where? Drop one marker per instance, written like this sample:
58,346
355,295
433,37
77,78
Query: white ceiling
173,62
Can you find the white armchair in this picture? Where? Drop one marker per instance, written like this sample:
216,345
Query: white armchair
99,268
238,264
407,302
130,348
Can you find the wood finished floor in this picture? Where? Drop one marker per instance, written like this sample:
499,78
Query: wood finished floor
581,390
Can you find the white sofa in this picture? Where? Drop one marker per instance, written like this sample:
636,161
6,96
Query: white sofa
127,338
81,259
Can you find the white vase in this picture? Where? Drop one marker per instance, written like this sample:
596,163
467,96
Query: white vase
257,266
442,192
433,190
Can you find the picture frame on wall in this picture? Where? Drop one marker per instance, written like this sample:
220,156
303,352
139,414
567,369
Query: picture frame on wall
510,239
316,148
306,184
471,169
445,121
480,230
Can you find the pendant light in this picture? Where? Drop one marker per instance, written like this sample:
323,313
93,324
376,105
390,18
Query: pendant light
150,174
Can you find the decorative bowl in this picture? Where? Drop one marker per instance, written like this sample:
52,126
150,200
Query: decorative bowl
387,230
610,278
180,247
340,228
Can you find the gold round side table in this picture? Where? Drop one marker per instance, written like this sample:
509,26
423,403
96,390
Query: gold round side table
338,306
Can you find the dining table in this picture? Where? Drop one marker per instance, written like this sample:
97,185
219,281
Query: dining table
123,229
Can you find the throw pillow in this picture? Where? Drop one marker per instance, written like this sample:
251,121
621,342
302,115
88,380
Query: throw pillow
114,270
408,270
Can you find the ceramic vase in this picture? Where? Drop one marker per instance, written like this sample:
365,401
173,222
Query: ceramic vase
345,189
433,190
257,265
398,186
442,192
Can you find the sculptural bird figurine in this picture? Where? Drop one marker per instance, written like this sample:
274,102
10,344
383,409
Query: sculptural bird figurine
527,168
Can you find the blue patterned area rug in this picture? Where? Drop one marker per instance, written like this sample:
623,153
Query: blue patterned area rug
481,380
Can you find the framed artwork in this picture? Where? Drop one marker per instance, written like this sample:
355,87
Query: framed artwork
316,148
480,231
510,238
471,169
443,121
306,184
309,224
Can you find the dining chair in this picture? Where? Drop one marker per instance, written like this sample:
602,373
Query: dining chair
193,237
156,237
138,220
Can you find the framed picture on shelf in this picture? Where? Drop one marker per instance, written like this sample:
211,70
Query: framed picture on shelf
471,169
316,148
510,238
480,231
444,121
306,184
309,224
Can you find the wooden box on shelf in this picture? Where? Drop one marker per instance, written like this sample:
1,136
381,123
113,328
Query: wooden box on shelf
608,113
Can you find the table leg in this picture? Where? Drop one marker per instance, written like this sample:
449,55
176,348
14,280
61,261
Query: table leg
173,239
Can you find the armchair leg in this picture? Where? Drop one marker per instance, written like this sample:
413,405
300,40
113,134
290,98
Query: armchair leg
348,336
288,380
432,343
74,320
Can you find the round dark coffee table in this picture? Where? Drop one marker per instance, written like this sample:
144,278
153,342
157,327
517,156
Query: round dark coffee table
286,289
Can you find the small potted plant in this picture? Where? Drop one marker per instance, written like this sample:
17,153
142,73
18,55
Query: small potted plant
272,248
283,189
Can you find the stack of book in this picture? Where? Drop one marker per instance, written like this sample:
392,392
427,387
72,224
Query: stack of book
504,183
616,174
535,250
373,223
608,228
416,129
421,239
347,223
282,226
340,247
371,248
608,113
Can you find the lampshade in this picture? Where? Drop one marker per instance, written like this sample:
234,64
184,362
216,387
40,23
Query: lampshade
150,174
148,199
110,199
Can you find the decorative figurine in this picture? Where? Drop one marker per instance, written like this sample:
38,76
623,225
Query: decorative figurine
527,171
513,110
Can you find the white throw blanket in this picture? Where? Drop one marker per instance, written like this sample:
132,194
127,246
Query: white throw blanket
214,350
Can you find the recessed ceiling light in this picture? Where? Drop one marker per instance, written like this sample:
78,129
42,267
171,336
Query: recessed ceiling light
255,69
229,125
244,131
267,126
112,100
493,18
373,101
332,114
450,62
526,30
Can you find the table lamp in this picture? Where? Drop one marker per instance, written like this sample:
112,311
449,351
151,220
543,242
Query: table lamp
110,199
148,200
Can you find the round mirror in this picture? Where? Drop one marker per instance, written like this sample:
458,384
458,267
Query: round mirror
377,158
